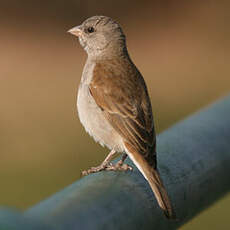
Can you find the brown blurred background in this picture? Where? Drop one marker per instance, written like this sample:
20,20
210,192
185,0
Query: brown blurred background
181,47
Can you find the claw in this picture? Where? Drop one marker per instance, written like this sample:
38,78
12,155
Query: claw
95,169
119,166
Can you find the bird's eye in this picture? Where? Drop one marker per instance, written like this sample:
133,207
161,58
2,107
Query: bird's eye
90,29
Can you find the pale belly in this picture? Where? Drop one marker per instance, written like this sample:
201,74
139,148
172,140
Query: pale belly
93,120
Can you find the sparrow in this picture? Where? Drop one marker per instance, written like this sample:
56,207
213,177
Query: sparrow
114,106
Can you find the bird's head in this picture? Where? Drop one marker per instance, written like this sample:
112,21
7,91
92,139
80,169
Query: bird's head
99,36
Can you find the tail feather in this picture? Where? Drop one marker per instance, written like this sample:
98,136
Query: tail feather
160,193
154,180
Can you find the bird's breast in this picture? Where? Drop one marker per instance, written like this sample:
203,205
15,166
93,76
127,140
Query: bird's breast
92,117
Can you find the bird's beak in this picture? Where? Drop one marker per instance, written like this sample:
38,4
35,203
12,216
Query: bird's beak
76,31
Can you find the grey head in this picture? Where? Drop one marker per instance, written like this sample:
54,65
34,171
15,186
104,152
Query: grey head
100,36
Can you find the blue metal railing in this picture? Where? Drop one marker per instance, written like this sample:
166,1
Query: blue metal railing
193,159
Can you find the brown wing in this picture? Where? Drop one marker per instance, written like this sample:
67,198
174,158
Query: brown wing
119,90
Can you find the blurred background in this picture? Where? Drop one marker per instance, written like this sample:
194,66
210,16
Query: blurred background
181,48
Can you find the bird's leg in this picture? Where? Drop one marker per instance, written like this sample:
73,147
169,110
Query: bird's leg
121,162
120,166
102,166
107,166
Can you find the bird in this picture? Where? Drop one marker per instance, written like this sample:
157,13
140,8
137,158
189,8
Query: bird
114,105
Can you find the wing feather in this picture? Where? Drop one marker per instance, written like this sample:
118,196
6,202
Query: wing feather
129,114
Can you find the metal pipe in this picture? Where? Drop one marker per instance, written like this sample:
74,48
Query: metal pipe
194,162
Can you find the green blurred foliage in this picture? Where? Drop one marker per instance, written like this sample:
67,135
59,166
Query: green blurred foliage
181,48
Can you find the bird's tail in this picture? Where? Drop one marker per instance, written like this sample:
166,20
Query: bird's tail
154,180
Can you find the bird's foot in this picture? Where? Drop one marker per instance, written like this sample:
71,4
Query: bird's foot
94,169
119,166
